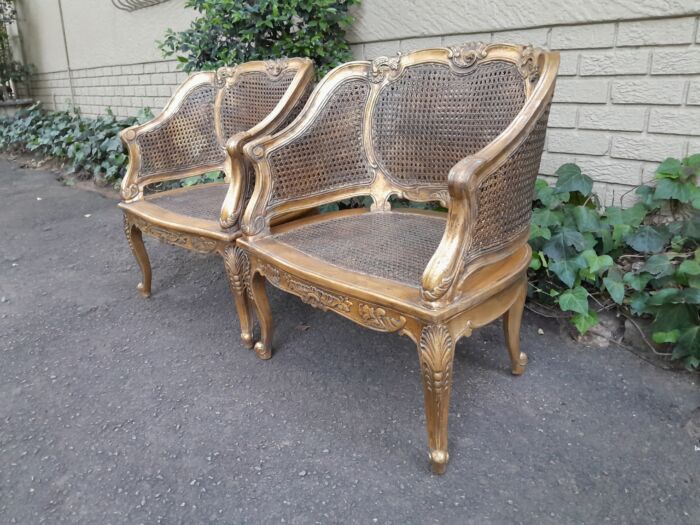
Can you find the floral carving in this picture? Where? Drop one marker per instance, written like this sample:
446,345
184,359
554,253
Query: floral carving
466,55
528,63
384,67
275,67
223,74
306,292
129,191
379,319
436,355
191,242
439,290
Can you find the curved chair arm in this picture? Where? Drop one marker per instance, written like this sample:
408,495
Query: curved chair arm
134,180
285,110
259,212
446,265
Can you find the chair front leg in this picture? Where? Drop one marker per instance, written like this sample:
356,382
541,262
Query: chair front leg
138,248
237,270
263,348
511,330
436,353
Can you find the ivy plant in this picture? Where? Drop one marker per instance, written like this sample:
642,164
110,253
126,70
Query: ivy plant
233,31
85,144
643,259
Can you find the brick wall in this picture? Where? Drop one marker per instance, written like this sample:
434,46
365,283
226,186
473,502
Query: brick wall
125,89
628,94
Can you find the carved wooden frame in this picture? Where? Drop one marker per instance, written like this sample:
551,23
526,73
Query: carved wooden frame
204,236
453,297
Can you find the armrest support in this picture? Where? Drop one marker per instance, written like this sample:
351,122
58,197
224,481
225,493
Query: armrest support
286,109
440,275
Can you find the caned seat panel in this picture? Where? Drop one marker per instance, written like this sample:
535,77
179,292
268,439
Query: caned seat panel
202,201
390,245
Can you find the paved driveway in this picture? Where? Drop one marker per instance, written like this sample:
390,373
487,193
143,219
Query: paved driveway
116,409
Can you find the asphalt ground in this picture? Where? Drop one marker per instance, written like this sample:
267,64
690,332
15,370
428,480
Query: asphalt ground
118,409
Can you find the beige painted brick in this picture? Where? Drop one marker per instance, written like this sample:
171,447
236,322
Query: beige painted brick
684,121
137,69
569,63
615,62
562,116
676,61
144,79
656,32
536,37
358,51
552,161
574,141
170,79
693,147
694,93
590,90
583,36
614,118
152,91
449,40
647,91
647,147
412,44
165,91
162,67
139,91
149,68
156,79
617,171
377,49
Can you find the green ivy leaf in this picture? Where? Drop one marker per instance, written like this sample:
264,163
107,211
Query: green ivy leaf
647,239
634,215
564,244
674,317
567,269
574,300
546,217
539,232
586,219
571,179
595,262
586,321
688,343
672,189
666,337
615,288
689,267
669,169
658,265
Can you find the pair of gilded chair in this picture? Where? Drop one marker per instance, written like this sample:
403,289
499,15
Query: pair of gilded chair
463,126
203,128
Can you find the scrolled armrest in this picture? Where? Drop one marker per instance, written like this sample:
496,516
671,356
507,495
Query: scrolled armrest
465,177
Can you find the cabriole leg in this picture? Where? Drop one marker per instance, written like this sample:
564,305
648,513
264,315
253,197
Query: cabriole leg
138,248
263,348
511,331
436,353
237,270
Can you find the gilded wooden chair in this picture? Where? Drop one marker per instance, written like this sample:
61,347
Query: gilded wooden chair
204,128
464,126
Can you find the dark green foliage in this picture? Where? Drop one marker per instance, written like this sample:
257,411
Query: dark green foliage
10,69
234,31
86,145
644,259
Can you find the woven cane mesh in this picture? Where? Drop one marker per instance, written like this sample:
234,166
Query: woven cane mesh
252,98
392,245
330,154
186,140
431,117
505,197
202,201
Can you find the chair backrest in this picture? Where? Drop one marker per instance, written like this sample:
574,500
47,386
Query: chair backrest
189,136
398,125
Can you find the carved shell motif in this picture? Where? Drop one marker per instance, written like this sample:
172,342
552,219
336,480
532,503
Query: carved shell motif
223,74
466,55
528,64
384,67
275,67
436,354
